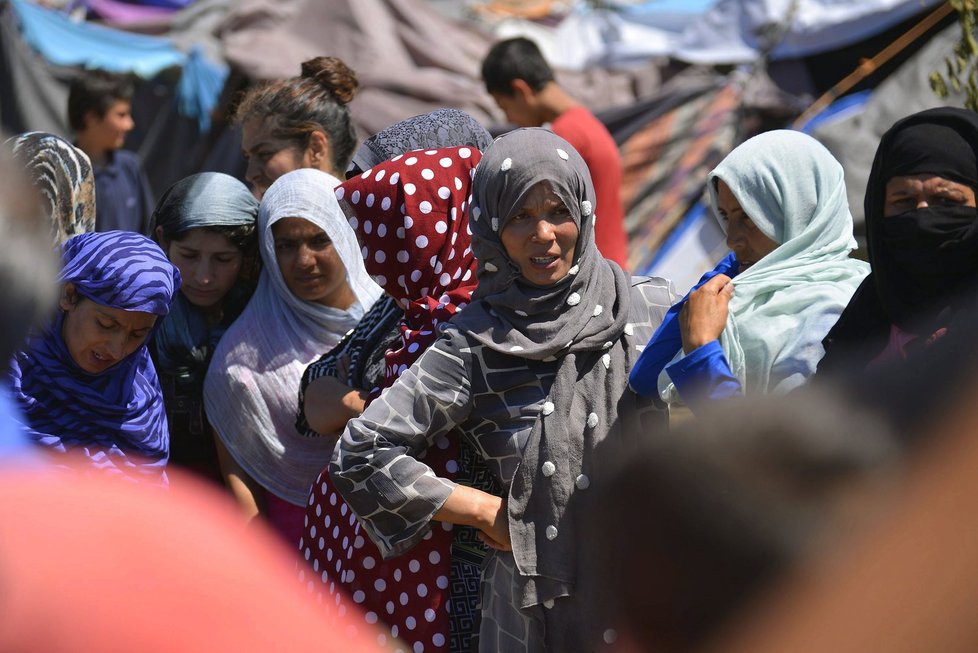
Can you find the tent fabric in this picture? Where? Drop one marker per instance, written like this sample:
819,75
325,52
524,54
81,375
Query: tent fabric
61,41
733,31
408,57
602,37
33,92
34,96
723,32
125,13
64,42
692,248
665,167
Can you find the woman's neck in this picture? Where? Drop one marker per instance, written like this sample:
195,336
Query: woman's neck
343,298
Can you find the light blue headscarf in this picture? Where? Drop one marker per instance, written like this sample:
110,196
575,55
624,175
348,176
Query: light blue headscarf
207,199
793,190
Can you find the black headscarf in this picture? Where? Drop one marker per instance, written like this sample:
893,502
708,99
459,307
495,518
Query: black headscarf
924,258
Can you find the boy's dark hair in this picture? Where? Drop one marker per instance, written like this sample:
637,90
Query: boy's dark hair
96,90
517,58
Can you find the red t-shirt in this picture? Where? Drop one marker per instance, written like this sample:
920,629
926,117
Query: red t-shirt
591,139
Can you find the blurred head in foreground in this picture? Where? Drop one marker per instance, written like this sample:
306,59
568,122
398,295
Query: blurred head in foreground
688,530
92,564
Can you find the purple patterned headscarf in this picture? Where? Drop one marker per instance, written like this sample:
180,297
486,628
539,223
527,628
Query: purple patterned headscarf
114,418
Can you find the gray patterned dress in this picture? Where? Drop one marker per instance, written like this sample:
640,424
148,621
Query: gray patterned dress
494,399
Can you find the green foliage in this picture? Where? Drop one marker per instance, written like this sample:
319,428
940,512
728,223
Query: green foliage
961,69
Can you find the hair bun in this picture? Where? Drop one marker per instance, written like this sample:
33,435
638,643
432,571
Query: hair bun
335,76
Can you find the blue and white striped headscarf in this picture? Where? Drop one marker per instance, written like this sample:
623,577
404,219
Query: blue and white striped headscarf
63,176
114,418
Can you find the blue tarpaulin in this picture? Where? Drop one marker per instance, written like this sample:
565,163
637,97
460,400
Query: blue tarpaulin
65,42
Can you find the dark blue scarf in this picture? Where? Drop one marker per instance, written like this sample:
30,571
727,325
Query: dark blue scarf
114,418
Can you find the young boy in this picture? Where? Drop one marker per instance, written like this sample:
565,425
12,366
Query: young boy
522,83
100,113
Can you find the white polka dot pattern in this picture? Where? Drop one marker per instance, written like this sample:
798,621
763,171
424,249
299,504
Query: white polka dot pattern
418,242
404,598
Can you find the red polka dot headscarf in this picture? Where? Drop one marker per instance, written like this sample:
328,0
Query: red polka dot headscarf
411,217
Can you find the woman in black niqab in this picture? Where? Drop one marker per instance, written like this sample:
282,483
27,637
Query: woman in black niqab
922,235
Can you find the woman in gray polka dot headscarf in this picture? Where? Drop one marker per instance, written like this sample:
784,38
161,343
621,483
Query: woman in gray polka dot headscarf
534,373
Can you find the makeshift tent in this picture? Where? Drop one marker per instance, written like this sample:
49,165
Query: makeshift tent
768,59
41,50
852,129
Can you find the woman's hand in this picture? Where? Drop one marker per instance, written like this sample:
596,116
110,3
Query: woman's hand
496,536
704,316
484,511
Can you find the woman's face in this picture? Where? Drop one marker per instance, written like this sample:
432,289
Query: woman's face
268,157
310,264
920,191
541,237
209,265
98,337
743,237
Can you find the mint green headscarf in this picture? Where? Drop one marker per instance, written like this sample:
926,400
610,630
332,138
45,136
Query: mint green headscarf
792,188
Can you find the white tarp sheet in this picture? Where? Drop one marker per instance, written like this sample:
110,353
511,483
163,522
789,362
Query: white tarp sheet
729,32
733,30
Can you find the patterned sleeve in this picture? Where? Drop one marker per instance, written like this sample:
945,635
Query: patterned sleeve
376,464
368,340
330,364
654,296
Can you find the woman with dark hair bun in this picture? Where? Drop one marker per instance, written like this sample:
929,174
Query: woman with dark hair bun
302,122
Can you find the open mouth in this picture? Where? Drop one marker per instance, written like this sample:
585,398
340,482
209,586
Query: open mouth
102,361
543,261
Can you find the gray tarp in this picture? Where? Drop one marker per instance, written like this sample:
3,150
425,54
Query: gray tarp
853,139
408,57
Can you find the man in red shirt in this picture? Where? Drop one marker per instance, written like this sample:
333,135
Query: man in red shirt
522,83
